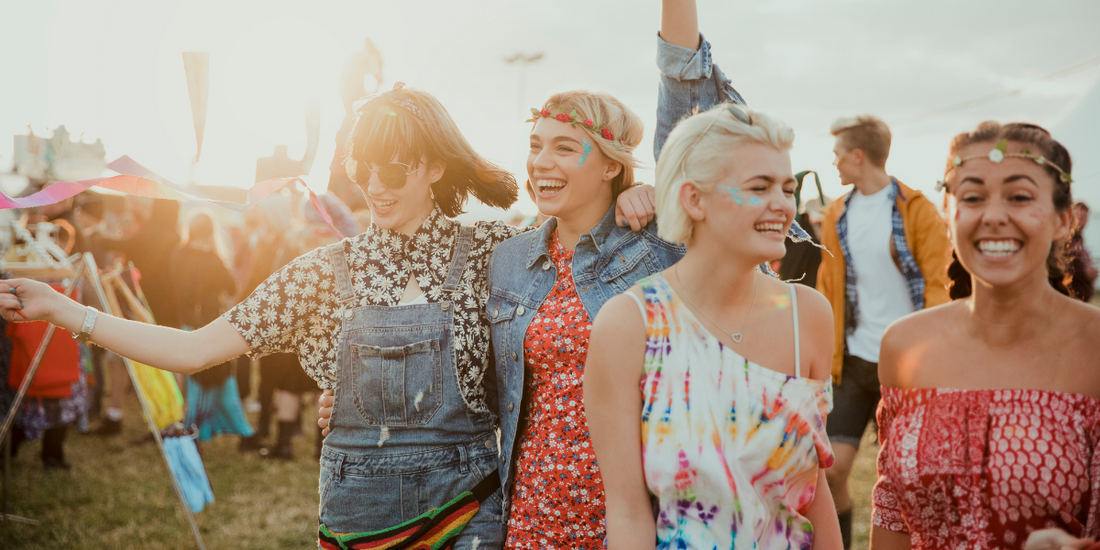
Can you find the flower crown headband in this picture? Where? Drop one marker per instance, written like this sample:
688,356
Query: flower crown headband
998,154
587,124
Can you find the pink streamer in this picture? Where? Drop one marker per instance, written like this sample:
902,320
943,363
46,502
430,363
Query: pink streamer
138,180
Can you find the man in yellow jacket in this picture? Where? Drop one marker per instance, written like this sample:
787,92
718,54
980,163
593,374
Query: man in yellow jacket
887,257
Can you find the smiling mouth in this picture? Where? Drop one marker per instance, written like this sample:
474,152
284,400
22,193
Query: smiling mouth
769,228
381,206
998,248
549,187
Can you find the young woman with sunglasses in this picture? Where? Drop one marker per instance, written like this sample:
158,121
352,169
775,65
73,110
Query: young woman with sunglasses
395,316
990,416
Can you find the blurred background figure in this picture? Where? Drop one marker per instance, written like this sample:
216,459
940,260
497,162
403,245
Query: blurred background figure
361,76
802,259
148,243
1081,272
202,285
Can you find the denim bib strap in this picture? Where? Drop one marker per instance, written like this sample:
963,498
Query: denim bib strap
458,261
339,263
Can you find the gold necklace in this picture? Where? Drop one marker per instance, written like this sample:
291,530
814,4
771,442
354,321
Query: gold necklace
735,335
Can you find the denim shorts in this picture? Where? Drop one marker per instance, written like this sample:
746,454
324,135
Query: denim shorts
855,400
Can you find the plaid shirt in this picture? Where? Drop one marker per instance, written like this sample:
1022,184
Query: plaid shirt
914,279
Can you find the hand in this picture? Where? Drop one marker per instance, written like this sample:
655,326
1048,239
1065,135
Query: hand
324,411
1057,539
635,207
32,300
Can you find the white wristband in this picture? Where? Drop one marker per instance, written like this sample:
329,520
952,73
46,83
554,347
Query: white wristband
86,328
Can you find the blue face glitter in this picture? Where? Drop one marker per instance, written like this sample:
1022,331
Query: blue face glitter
584,155
734,194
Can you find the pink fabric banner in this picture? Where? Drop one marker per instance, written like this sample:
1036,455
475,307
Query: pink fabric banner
136,179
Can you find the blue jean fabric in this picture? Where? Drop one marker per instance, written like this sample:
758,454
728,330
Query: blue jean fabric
607,261
689,79
403,439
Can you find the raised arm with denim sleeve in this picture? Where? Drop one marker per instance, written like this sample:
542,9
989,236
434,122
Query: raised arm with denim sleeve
689,80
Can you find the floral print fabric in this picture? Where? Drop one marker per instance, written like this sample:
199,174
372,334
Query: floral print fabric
558,499
730,448
296,309
982,469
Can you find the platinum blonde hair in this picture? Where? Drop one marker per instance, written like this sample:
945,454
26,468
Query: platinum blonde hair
697,150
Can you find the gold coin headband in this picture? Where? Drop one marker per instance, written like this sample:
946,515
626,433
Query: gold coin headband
998,154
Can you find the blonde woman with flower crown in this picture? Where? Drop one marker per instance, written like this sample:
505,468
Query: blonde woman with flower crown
546,287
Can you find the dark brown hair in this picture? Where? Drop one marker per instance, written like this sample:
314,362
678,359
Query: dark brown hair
1040,142
387,129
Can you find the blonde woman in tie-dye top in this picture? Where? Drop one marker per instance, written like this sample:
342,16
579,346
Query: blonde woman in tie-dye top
707,385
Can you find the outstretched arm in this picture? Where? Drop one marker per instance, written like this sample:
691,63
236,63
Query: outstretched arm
613,406
689,79
161,347
680,23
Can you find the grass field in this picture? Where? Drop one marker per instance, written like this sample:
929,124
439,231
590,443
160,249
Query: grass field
119,496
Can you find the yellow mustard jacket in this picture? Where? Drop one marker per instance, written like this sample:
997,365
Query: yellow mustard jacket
926,237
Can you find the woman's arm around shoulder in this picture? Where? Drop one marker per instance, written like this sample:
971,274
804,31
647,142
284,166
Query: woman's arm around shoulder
613,406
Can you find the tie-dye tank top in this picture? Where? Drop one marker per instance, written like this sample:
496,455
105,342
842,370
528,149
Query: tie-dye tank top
731,449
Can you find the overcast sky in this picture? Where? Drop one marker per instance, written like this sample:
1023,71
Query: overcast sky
113,70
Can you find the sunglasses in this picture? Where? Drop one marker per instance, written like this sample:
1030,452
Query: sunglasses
393,175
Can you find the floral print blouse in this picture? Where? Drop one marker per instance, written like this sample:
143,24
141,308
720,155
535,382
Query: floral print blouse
295,310
558,493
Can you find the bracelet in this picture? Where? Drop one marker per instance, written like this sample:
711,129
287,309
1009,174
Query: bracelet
86,328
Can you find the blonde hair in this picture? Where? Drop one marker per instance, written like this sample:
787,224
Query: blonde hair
697,150
624,125
411,124
866,133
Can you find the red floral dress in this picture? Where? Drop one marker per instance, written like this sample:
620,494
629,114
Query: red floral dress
982,469
558,499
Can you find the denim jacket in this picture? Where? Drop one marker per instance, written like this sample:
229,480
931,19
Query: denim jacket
689,79
606,261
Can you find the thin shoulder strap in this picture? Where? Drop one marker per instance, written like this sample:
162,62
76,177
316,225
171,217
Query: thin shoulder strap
641,304
463,245
794,309
339,263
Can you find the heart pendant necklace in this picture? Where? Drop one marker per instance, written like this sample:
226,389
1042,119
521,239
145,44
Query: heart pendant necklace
736,336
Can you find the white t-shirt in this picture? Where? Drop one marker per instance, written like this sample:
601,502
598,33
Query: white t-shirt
880,286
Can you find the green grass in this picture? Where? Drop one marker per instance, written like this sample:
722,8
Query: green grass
860,484
119,496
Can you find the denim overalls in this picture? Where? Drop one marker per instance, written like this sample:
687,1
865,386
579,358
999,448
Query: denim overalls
403,440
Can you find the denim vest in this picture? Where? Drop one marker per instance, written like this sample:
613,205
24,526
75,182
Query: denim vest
606,261
403,440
